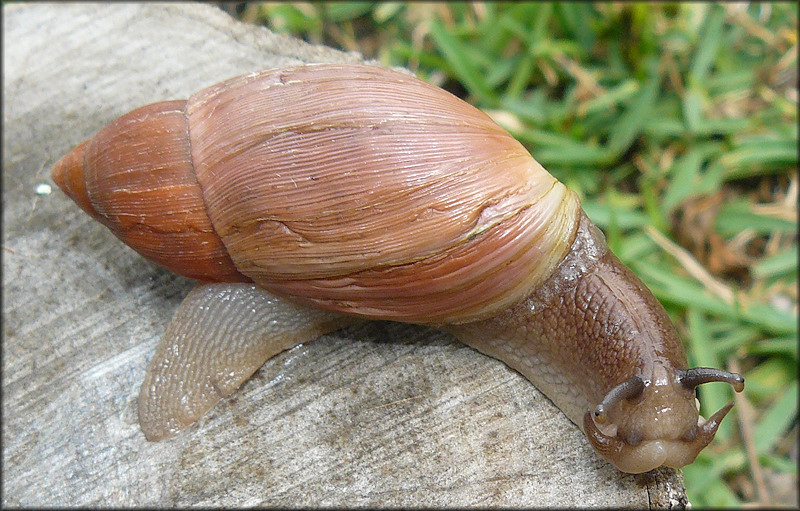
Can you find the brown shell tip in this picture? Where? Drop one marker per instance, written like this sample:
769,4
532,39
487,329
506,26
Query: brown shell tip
68,175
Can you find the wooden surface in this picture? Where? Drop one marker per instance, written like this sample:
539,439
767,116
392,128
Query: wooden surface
379,415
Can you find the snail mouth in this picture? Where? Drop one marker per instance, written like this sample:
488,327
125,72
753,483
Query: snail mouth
646,455
634,452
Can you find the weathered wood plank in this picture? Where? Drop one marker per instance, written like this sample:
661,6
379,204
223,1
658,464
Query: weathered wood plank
383,414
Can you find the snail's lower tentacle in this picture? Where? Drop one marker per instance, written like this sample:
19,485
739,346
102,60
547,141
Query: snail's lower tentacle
709,428
605,445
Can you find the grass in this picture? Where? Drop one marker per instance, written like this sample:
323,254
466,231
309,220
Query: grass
676,123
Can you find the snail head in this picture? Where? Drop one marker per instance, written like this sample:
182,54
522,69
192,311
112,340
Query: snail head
643,424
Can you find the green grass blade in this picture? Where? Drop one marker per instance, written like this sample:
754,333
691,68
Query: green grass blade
783,264
777,419
630,123
458,58
710,42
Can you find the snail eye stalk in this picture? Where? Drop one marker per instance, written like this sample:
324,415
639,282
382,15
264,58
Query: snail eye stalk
691,378
629,389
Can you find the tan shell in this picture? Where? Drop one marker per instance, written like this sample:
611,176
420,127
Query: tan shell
351,188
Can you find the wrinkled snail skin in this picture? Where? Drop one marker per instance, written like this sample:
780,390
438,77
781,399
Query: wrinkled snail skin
592,325
310,198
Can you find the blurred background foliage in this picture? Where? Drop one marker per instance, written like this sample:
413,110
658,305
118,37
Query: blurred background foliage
676,123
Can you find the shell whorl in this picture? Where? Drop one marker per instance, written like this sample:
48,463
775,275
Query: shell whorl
366,191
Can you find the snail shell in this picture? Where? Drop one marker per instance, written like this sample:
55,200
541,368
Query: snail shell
376,194
358,190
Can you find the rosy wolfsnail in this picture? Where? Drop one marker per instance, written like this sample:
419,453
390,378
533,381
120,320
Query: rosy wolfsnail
307,198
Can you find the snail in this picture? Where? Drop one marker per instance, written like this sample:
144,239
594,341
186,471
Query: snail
309,198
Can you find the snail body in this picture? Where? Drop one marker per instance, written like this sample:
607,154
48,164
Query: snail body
309,198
